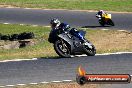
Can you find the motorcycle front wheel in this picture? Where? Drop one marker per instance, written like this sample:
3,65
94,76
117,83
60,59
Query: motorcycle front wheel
62,49
101,22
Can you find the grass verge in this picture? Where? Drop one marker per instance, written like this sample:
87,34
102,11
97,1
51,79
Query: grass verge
104,41
112,5
60,85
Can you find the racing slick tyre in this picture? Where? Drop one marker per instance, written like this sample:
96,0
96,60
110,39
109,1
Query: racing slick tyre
62,49
90,51
101,22
111,22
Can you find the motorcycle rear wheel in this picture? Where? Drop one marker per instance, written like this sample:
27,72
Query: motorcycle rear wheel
90,52
111,22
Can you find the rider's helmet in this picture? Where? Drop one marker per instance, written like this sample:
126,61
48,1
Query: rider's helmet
54,23
101,12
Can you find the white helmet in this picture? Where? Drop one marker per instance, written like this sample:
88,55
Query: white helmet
102,11
55,22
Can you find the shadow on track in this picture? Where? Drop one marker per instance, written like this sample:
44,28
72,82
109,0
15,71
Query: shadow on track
50,57
94,26
58,57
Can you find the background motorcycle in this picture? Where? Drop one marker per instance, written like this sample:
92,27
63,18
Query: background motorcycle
66,45
106,19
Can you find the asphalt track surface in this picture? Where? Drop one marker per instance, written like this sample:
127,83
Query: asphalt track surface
24,72
74,18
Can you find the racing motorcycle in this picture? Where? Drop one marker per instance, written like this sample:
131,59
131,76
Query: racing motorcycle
67,45
106,19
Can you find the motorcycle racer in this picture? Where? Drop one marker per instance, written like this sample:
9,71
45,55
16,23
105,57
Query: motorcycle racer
100,14
58,28
104,18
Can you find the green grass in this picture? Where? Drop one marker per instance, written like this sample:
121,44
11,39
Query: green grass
39,50
104,41
109,5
